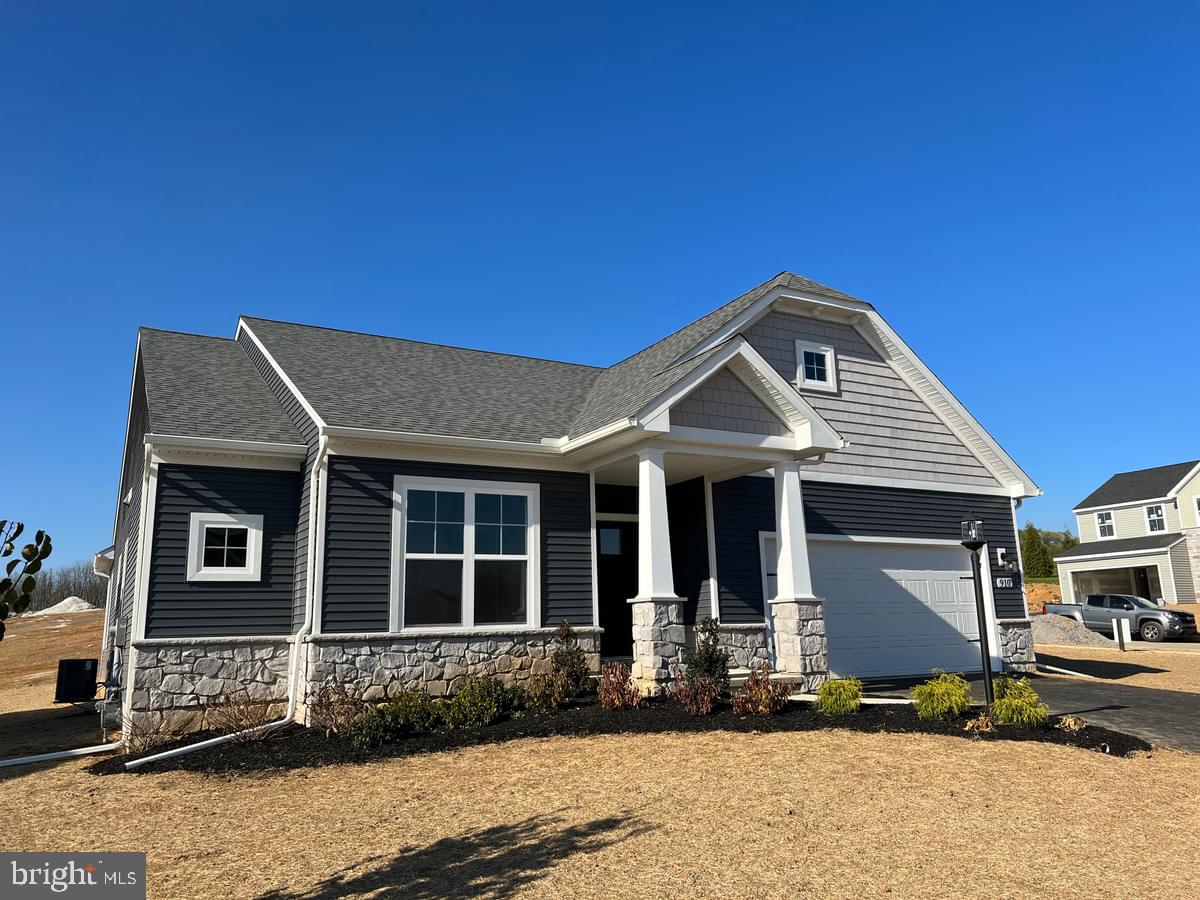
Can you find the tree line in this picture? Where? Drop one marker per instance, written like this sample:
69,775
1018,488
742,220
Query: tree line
73,580
1039,547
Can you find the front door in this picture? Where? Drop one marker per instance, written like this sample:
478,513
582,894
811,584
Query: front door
617,582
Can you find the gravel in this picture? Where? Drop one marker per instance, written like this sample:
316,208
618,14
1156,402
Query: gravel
1051,629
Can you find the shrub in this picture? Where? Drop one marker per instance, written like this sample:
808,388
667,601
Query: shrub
569,659
409,712
240,715
481,701
980,723
546,692
709,660
371,729
944,696
839,696
1017,703
761,696
698,694
334,707
617,690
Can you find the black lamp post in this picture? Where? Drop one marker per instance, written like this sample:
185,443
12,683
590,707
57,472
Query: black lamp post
973,540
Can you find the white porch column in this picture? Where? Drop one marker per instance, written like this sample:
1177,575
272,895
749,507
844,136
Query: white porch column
658,633
797,617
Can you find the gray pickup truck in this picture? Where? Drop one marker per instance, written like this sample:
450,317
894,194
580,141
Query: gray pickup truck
1146,618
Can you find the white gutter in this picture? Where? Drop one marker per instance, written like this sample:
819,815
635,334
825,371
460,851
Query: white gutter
305,630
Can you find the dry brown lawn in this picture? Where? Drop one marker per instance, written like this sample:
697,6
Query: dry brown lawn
829,814
29,655
1167,669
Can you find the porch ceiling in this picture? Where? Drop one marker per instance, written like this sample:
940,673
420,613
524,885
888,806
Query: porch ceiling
681,467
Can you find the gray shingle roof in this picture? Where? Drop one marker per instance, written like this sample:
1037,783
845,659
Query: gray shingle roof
368,381
1144,484
1122,545
200,386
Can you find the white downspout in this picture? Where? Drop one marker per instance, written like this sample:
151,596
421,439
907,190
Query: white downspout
305,629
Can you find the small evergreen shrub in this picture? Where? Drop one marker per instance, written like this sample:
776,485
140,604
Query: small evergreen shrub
698,694
761,696
411,712
371,729
569,659
944,696
709,660
839,697
480,701
1017,703
616,689
546,692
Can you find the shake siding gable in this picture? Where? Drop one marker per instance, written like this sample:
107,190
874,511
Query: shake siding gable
308,430
891,431
724,403
179,608
358,534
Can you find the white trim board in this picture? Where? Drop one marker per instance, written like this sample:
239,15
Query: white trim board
283,376
1068,560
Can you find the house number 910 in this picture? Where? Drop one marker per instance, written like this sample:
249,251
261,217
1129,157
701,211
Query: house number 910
1004,581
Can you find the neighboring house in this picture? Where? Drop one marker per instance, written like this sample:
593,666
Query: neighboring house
1139,534
301,504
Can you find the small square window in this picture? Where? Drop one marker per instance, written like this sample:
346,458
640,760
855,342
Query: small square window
816,367
224,547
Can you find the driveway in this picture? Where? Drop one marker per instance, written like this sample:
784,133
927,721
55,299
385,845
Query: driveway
1162,717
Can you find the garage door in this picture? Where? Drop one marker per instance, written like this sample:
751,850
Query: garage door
895,609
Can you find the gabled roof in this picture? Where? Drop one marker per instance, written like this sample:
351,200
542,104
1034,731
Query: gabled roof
198,386
1121,545
368,381
1142,484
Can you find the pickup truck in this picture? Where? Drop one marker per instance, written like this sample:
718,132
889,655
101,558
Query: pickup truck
1151,621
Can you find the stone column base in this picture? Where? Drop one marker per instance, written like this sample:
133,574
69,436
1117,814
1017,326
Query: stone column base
659,642
1016,645
800,649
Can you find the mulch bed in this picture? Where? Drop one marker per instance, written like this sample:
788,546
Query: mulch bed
294,747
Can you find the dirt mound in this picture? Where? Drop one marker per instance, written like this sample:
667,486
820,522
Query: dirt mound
69,605
1061,630
1039,595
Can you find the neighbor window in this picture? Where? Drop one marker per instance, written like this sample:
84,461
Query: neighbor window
467,555
1104,524
816,366
1155,520
224,547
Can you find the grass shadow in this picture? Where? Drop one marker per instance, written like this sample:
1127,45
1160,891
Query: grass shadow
1098,668
494,862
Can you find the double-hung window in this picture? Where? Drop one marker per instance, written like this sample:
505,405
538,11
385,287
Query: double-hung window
1155,520
816,366
465,554
1104,524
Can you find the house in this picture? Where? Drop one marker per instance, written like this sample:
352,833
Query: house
299,504
1139,534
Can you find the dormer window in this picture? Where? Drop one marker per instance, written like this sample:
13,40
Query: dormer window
816,367
1104,524
1155,520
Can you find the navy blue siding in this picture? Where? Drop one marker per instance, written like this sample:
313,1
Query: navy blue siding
687,521
179,608
308,430
743,507
358,531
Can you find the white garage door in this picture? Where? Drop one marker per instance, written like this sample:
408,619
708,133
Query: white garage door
893,609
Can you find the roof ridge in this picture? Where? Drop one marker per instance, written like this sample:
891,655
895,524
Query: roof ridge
1183,462
210,337
388,337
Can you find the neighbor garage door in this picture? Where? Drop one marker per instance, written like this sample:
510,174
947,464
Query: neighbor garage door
896,609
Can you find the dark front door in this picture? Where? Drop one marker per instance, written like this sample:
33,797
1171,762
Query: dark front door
617,582
1141,583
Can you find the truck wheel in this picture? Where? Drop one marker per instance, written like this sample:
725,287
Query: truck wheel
1151,631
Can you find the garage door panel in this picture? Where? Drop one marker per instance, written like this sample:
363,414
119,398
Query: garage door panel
896,610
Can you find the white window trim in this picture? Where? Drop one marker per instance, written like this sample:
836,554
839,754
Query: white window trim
1161,516
1112,520
533,581
1197,499
830,354
199,521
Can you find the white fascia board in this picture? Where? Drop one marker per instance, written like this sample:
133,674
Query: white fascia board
906,483
189,442
808,425
137,355
443,440
1108,507
1154,551
283,376
925,384
1174,492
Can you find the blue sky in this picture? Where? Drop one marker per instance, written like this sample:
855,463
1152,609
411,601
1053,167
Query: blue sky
1013,185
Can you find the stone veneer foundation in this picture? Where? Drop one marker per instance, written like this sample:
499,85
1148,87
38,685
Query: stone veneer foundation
1016,645
175,680
800,648
746,644
383,665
